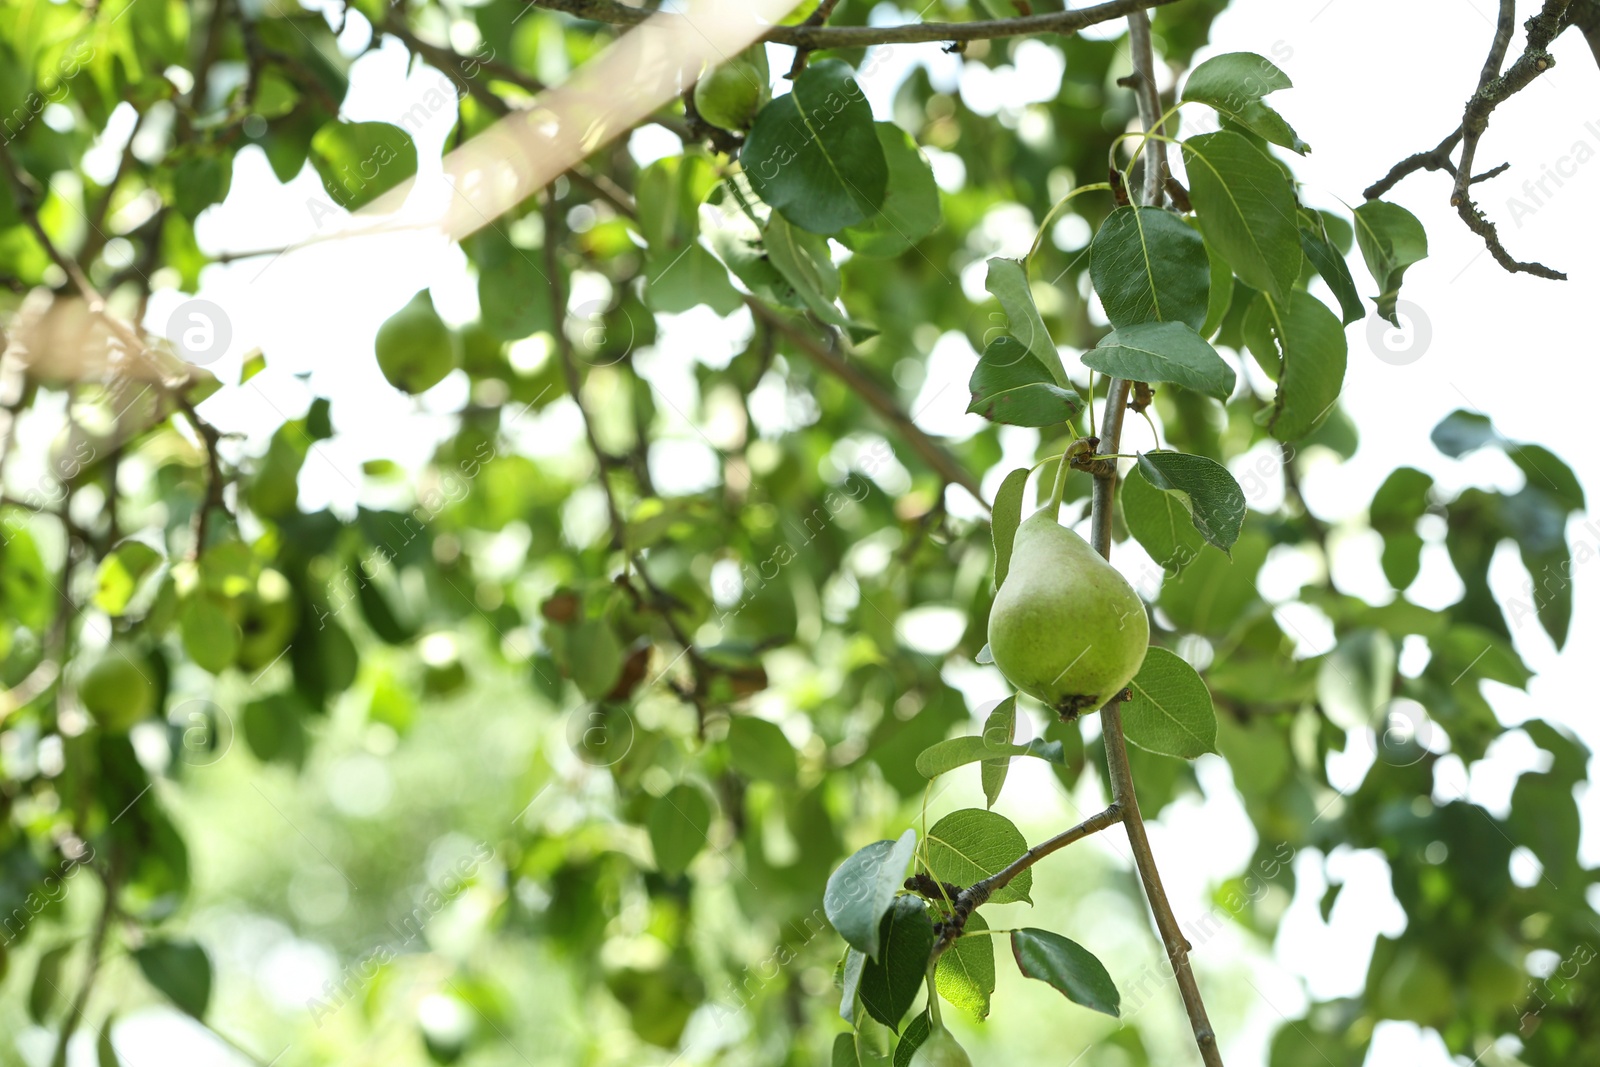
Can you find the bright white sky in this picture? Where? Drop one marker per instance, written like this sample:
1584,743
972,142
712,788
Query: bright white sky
1375,80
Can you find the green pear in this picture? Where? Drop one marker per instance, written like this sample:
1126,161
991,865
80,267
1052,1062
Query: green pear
941,1050
1065,627
1416,988
730,95
116,691
415,348
267,618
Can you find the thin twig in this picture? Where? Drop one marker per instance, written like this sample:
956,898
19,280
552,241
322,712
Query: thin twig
1120,775
569,366
97,944
812,38
1435,158
215,482
1292,489
453,63
1489,94
1494,88
876,396
1149,98
816,18
978,893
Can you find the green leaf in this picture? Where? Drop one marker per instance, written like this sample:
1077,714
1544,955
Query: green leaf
1400,501
1330,264
1010,386
1391,239
863,888
1213,499
1148,264
679,273
181,970
26,588
844,1051
1160,522
854,961
594,658
1247,208
965,973
1163,352
946,756
999,728
1234,77
1234,84
1356,680
1260,119
210,636
274,728
200,181
890,983
910,208
1547,473
46,988
1397,505
917,1031
1008,281
1220,297
105,1053
1465,648
121,572
360,161
1004,519
1068,966
760,750
738,239
1170,713
969,845
680,822
1309,343
667,198
804,262
814,154
690,278
1461,432
514,298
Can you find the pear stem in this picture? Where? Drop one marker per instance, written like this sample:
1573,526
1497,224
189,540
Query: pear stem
1061,484
1118,772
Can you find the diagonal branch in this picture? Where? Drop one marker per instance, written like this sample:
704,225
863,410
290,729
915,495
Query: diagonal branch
932,453
811,38
975,895
1494,88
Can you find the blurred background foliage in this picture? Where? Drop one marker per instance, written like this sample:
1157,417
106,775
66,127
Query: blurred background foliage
409,783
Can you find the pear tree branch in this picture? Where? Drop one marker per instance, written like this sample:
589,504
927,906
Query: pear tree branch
1123,797
813,37
876,396
1495,87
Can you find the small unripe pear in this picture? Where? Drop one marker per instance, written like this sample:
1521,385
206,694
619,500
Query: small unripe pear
415,348
941,1050
1065,628
730,95
116,692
